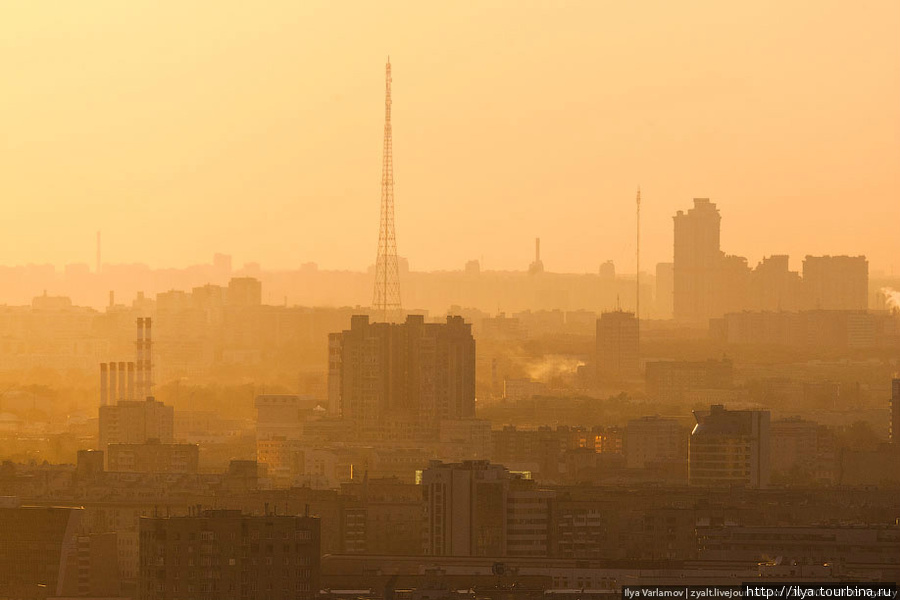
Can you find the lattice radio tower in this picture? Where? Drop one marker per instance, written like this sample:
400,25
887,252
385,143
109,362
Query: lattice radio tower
637,279
386,298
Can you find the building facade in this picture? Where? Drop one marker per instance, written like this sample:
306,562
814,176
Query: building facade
697,261
398,381
476,508
154,457
730,448
836,283
136,422
227,555
618,346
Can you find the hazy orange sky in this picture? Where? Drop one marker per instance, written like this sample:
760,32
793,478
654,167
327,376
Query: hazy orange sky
180,129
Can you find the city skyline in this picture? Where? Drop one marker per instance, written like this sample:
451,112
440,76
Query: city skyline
211,400
270,146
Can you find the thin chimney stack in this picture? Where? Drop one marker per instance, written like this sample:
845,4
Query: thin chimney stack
129,380
104,382
144,363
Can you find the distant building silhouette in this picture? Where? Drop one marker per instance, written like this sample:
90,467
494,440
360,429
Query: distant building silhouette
836,329
608,271
136,422
773,286
537,265
617,346
398,381
676,380
665,289
697,261
836,283
244,292
154,457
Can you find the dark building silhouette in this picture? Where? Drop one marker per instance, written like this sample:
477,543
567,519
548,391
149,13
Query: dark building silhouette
400,380
537,265
35,545
618,346
226,555
729,448
773,286
697,261
476,508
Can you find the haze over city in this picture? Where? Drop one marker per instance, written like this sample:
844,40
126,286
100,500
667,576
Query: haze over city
183,130
484,301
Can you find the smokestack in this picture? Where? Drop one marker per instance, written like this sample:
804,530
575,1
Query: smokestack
537,249
112,298
104,391
131,381
139,345
122,381
148,364
112,383
98,252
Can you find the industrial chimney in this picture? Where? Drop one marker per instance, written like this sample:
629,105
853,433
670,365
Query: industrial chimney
112,383
123,381
104,382
130,381
139,347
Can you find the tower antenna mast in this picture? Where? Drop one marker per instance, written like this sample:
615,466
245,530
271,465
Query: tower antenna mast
637,278
386,298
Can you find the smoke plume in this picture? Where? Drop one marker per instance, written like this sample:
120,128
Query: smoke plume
553,365
891,298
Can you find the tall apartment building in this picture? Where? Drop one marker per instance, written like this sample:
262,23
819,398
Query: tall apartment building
617,346
397,381
773,286
36,545
836,283
729,448
476,508
697,261
226,555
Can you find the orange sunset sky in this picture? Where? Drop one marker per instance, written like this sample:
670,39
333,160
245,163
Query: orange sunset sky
180,129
